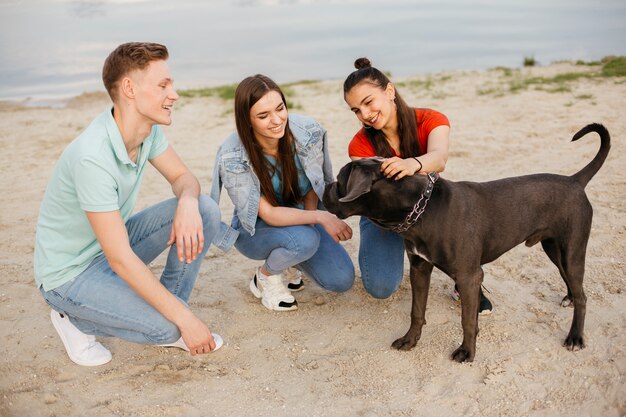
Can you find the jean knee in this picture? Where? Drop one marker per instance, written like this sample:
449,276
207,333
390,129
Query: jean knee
341,279
305,242
342,283
380,288
380,293
166,332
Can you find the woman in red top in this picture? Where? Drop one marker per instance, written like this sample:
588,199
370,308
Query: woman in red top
413,141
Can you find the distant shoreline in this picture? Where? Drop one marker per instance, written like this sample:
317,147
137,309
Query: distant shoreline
226,91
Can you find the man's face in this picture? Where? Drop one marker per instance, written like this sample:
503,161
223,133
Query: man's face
154,92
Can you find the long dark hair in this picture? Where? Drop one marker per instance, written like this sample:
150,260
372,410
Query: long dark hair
407,122
248,92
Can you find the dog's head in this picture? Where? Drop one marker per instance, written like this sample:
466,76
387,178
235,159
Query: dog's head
361,189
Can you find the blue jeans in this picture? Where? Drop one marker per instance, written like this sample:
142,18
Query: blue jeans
100,303
309,248
381,259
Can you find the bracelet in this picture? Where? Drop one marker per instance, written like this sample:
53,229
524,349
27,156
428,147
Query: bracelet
418,161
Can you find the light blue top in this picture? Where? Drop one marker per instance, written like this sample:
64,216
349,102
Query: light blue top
304,185
94,173
232,170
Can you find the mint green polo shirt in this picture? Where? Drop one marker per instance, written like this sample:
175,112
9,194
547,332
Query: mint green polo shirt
94,173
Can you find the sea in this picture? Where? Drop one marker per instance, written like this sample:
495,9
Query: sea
53,49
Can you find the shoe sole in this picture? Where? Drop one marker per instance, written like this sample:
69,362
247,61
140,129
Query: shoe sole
279,308
182,346
57,327
219,342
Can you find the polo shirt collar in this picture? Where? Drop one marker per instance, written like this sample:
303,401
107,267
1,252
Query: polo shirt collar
116,140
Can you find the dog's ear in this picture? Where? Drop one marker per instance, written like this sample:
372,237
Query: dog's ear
359,183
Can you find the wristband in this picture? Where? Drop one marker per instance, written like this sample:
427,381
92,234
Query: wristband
418,161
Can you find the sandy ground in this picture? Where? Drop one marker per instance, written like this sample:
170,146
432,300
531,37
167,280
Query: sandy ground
332,357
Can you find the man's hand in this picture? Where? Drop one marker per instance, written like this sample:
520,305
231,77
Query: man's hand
187,230
111,232
196,335
187,227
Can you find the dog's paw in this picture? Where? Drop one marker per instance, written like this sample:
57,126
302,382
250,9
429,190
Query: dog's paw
574,343
567,301
404,343
462,355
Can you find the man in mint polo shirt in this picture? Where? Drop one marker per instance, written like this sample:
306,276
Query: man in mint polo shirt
91,252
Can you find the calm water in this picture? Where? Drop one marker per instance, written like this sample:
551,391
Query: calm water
56,48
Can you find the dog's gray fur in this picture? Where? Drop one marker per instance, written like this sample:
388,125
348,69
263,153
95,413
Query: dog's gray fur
468,224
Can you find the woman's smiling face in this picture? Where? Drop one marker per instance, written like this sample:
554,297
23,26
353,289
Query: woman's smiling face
268,117
372,105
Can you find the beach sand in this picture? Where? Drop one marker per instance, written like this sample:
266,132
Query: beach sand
332,357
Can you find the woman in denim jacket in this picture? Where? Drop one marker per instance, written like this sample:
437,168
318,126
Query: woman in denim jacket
275,168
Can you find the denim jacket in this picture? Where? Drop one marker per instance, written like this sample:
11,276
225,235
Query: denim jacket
233,170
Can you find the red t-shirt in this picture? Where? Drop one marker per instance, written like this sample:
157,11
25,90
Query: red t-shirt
427,120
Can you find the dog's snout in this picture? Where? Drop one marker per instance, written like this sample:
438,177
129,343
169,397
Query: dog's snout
330,195
331,200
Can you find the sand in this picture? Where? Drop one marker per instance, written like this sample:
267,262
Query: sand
332,357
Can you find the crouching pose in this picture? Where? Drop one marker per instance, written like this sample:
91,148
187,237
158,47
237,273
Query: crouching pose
415,142
91,253
275,168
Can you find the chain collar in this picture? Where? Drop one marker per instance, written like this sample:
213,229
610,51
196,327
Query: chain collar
419,207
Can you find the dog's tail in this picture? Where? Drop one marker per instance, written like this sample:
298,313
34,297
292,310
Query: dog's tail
584,175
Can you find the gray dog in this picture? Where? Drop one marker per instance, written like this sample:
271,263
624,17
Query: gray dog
459,226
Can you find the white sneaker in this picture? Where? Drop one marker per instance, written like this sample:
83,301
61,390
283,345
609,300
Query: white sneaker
272,291
294,279
83,349
180,343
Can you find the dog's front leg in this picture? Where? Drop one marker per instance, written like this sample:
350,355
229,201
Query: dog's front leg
469,289
420,282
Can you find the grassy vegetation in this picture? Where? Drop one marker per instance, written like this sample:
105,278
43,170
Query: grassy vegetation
492,91
227,92
614,66
511,81
588,63
301,82
292,105
426,84
514,81
559,88
288,91
507,72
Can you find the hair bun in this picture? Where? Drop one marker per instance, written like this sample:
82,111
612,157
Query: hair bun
362,63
